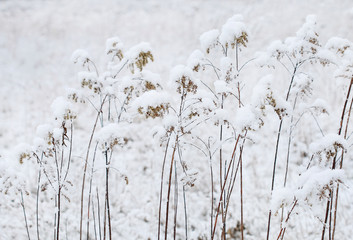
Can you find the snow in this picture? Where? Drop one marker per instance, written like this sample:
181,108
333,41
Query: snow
61,107
151,98
113,44
133,53
35,69
196,59
328,142
80,56
209,39
232,30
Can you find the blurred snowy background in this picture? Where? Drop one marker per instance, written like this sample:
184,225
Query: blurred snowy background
37,39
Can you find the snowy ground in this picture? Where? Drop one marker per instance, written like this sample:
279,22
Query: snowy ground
37,39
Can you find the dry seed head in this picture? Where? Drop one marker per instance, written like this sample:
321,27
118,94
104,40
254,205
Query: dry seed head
69,115
141,61
242,40
24,156
154,111
186,85
150,86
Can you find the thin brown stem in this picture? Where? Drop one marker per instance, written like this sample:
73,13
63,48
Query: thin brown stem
161,188
241,195
169,187
24,214
86,162
329,201
223,186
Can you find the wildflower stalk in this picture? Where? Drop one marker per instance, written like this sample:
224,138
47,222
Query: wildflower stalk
330,200
86,162
24,214
276,151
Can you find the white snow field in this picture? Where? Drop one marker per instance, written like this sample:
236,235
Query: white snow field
45,138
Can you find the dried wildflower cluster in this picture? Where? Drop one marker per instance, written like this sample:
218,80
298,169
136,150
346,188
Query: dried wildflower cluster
141,61
304,47
154,111
186,85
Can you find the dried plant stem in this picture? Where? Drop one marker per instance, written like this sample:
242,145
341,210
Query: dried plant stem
175,200
24,214
90,190
288,152
341,165
169,187
59,214
99,216
86,162
283,229
107,194
241,194
330,200
185,214
223,187
276,151
94,221
161,188
221,176
212,191
37,203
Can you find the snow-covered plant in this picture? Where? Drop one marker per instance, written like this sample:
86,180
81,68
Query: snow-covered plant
294,54
117,95
52,151
182,118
